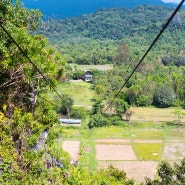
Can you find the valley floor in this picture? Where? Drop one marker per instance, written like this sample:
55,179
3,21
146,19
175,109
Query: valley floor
136,150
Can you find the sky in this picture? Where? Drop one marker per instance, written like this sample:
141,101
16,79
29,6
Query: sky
171,1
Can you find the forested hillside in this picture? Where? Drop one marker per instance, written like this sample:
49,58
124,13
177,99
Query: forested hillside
69,8
121,36
94,38
115,23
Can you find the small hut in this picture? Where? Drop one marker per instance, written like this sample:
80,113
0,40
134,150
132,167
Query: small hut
88,76
74,122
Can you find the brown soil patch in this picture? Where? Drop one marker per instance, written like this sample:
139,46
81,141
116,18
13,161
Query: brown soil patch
147,141
72,147
114,152
137,170
174,151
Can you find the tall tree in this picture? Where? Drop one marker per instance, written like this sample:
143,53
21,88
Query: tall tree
123,54
19,80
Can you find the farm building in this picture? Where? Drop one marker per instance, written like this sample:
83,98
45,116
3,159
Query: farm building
88,76
70,121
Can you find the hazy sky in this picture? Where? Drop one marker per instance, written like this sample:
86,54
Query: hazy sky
171,1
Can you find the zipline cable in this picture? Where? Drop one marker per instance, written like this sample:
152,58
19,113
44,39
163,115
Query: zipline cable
153,43
28,58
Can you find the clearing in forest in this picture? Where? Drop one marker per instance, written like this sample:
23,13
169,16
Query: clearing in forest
81,93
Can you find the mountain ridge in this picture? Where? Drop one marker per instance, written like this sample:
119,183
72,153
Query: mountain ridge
72,8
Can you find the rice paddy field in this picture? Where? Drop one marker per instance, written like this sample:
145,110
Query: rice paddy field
137,151
138,147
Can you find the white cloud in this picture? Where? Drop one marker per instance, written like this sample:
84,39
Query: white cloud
171,1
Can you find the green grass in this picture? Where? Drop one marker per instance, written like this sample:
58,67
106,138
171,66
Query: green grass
111,132
148,134
148,151
71,133
80,92
88,154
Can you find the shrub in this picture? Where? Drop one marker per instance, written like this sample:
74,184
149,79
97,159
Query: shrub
79,112
121,107
97,107
180,61
183,106
167,60
173,60
114,120
164,97
143,100
97,120
65,105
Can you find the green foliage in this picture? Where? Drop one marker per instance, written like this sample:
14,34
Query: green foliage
94,38
143,101
19,79
22,124
121,107
66,105
97,120
25,129
107,176
79,112
74,74
169,175
7,150
164,97
97,107
114,120
22,120
45,112
173,60
148,151
117,23
123,54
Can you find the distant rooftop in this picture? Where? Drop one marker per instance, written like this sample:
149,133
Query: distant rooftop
70,121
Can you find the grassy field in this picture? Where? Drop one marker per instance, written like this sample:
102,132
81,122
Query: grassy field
148,151
88,67
80,92
154,114
115,145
